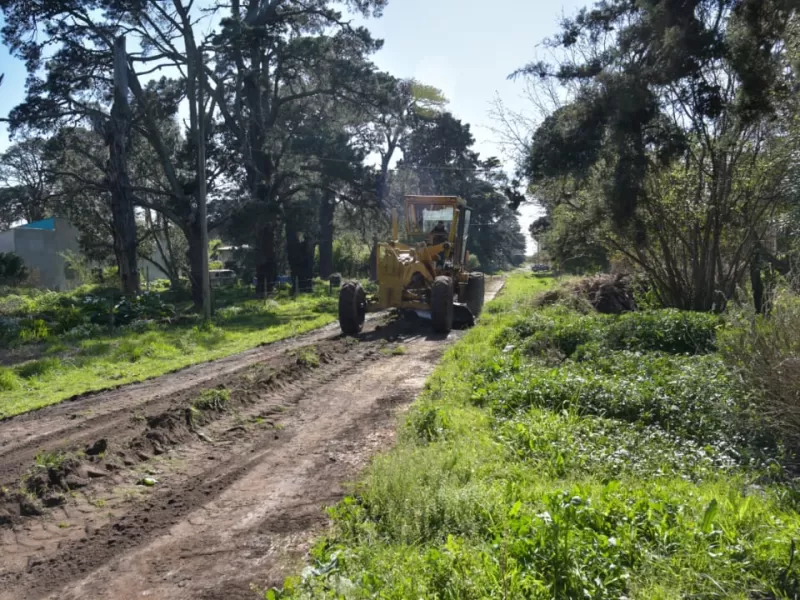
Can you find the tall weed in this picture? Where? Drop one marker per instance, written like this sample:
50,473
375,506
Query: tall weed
765,351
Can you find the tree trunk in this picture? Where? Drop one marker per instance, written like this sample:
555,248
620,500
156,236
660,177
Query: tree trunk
300,252
122,209
373,260
266,267
326,209
196,262
757,283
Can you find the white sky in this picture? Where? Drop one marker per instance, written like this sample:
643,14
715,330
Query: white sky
467,48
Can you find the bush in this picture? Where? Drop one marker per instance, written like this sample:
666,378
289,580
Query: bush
145,306
766,352
668,330
37,368
8,380
473,264
692,396
12,269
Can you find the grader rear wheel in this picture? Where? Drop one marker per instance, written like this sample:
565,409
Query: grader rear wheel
352,307
442,304
474,292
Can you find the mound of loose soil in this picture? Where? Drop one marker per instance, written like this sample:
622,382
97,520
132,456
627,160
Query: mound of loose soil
608,294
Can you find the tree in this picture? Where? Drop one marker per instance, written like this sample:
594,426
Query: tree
665,136
84,78
76,88
273,56
28,181
390,115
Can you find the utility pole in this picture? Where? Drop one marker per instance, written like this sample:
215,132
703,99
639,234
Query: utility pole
202,211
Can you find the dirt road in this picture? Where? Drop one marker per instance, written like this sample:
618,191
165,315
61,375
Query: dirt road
205,482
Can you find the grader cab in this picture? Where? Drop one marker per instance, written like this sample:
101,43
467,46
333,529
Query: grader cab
425,272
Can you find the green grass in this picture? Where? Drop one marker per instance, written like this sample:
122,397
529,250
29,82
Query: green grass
128,354
524,473
214,399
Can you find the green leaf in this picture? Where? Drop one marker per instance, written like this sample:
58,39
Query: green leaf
708,518
515,509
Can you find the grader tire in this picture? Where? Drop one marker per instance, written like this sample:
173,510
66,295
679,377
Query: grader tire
442,305
352,307
474,292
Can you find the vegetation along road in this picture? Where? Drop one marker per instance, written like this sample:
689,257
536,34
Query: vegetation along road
200,483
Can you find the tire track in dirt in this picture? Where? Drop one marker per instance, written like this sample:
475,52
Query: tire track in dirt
211,531
93,415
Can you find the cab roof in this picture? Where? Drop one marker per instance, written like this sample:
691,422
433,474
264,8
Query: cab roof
446,200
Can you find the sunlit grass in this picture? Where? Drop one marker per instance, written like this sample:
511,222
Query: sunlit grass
481,499
128,356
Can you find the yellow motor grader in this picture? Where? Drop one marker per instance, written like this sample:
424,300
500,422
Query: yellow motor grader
426,272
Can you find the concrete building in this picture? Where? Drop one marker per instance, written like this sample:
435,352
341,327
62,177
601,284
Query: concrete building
41,246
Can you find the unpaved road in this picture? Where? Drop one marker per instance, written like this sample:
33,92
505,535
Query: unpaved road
243,455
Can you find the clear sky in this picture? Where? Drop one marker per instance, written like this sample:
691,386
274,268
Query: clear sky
467,48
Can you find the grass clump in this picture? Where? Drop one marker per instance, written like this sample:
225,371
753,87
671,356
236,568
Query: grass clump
38,368
214,399
308,357
765,352
8,380
627,470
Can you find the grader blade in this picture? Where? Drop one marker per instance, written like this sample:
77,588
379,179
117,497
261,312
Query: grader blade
462,315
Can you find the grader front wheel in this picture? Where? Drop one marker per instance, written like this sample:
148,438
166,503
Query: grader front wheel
442,304
352,307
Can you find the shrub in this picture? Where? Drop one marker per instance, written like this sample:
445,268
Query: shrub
8,380
32,330
147,305
564,330
667,330
692,396
9,329
37,368
12,269
766,352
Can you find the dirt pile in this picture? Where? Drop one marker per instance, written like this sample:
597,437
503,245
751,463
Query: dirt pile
607,294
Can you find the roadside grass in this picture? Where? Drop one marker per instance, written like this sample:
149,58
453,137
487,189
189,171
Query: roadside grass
110,358
636,469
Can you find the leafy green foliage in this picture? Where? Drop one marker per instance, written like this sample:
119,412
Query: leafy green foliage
561,329
693,397
8,380
12,269
516,497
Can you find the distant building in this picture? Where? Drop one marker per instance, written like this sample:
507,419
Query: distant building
228,254
41,246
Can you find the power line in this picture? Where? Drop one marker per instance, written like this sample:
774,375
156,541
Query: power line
419,168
